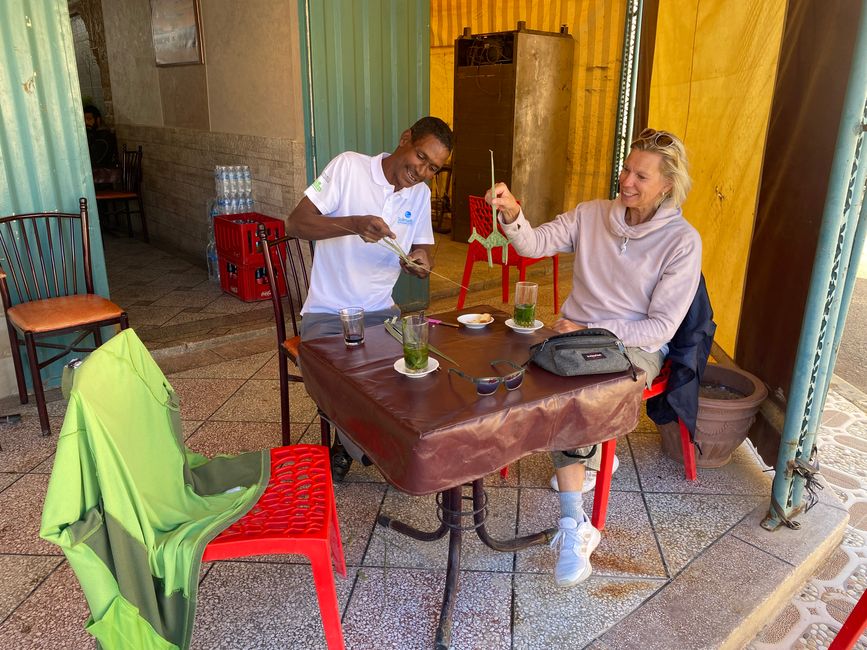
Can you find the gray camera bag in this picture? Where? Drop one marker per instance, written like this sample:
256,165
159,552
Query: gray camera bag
593,351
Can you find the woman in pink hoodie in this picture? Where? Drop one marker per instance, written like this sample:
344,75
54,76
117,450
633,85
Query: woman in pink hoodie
637,267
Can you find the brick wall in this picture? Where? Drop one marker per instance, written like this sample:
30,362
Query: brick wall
178,179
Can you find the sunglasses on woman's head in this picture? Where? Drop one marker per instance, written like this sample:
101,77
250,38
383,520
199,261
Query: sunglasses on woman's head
658,138
489,385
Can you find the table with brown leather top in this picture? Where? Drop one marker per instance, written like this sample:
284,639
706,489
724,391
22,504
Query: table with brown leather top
435,433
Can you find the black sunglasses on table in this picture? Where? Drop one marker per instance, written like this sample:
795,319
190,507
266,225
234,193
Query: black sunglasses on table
489,385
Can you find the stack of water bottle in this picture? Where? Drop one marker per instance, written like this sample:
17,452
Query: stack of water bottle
234,186
234,195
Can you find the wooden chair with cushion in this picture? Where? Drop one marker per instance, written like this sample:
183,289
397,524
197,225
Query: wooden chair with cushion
289,258
117,200
46,285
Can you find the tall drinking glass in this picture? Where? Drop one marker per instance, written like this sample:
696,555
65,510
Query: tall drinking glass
415,349
525,304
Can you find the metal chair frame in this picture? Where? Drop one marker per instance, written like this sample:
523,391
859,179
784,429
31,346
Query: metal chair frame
130,190
285,257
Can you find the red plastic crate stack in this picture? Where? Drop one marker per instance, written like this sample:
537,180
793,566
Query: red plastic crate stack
242,265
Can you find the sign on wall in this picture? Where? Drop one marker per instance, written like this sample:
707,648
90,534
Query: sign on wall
176,32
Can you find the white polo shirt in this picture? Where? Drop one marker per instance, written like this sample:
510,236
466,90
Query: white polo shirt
347,272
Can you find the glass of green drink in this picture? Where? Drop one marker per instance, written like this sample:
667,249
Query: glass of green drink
525,304
415,352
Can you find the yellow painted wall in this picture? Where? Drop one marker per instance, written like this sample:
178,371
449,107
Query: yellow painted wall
712,84
597,26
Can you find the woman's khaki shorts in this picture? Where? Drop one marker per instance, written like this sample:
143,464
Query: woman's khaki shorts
651,363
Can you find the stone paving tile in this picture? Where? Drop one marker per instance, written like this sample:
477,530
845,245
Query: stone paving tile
201,397
7,479
259,401
213,438
150,315
255,401
24,446
685,524
52,618
178,298
228,304
261,605
659,473
392,549
19,576
397,609
548,616
21,515
241,368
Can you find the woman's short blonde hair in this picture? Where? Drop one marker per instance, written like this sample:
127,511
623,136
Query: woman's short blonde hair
675,166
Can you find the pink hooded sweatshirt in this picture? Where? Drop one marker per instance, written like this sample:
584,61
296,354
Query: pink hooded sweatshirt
637,281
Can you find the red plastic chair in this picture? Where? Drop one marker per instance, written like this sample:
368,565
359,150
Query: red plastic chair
606,469
853,626
480,219
296,514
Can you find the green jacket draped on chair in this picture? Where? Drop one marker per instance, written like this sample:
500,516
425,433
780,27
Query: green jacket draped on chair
132,507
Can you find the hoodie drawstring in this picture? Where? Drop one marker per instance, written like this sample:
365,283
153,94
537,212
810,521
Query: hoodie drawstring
623,245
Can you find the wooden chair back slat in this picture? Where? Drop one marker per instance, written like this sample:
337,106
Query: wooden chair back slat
288,258
40,255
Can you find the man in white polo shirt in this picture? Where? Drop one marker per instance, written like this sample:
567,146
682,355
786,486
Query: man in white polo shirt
355,202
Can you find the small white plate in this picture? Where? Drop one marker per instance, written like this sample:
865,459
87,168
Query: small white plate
524,330
471,321
432,364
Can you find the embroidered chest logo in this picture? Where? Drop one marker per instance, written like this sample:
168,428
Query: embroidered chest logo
406,218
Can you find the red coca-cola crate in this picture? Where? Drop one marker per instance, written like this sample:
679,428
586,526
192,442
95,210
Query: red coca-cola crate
249,282
237,239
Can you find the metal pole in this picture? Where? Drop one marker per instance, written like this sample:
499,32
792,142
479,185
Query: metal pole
626,96
817,329
850,272
311,103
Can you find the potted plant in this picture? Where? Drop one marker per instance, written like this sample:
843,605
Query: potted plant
728,401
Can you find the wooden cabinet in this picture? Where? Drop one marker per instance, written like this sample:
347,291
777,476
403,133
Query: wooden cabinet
513,92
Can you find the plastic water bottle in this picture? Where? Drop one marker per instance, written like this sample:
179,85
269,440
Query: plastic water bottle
234,204
247,183
211,249
248,204
213,262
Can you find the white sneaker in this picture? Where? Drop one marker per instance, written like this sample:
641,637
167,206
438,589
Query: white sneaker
575,544
589,478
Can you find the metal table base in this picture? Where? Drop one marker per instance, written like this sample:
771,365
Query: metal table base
451,516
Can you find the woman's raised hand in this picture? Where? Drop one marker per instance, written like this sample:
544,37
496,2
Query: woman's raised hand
503,200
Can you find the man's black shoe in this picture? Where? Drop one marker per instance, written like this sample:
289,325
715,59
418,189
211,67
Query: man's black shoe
340,462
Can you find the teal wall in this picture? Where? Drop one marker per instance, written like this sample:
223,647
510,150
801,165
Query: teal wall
44,163
367,79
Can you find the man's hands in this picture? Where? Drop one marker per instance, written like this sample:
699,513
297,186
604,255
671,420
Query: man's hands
503,200
371,228
421,266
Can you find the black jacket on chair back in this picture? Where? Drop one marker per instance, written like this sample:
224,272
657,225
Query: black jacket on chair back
688,352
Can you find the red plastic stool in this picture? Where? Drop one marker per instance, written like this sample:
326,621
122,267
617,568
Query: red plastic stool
296,514
606,469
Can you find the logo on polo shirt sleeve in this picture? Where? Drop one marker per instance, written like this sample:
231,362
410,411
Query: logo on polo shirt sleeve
321,182
405,218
